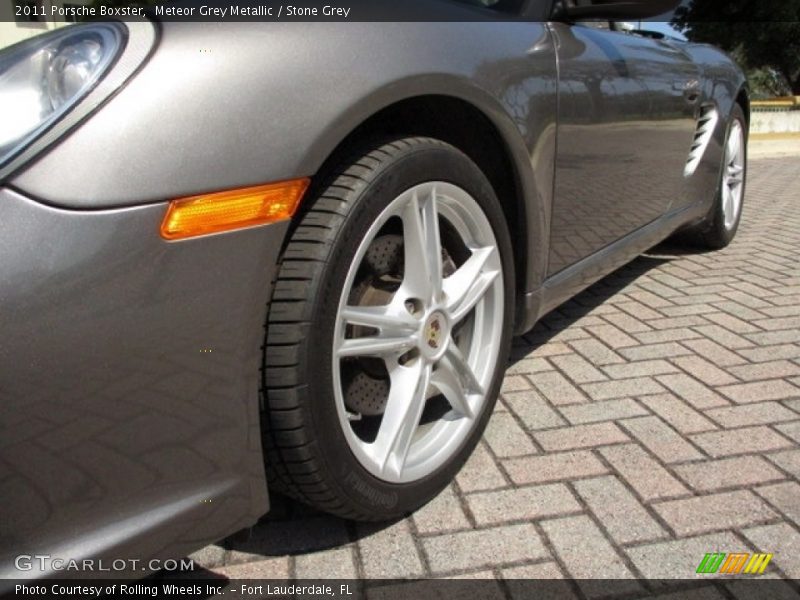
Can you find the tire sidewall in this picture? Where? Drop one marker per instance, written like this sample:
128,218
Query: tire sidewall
421,163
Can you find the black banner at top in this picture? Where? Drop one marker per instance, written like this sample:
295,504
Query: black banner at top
408,10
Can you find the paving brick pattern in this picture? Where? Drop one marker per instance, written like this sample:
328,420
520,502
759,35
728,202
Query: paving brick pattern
652,419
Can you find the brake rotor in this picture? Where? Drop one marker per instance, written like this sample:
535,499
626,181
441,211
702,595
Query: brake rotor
385,255
366,395
366,390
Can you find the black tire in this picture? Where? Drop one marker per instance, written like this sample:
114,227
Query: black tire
712,232
307,455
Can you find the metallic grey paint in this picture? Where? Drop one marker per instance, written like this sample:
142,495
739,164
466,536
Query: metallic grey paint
129,376
117,424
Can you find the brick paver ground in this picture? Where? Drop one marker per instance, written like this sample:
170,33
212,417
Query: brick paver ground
652,419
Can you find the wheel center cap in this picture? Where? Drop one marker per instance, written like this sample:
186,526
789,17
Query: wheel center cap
434,334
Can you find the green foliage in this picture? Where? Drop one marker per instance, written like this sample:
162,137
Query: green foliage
767,83
764,35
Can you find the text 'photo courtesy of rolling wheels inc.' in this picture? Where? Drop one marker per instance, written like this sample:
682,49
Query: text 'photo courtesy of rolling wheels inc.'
367,299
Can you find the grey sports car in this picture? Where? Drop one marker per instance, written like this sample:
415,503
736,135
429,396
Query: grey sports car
294,255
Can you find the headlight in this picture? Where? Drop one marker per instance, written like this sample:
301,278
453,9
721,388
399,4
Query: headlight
43,78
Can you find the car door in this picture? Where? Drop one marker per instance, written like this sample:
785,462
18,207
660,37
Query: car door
626,122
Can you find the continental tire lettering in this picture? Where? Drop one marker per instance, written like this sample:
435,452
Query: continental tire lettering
373,496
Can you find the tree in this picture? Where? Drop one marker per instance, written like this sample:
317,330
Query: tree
764,35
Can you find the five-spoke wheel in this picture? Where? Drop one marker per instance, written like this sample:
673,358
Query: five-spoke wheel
719,227
733,175
388,331
435,331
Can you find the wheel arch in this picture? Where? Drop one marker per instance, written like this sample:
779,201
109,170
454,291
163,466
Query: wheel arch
480,128
743,100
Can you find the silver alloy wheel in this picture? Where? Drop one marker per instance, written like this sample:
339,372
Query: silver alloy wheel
733,175
438,334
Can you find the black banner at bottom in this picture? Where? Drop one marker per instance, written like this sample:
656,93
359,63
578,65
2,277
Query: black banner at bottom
450,589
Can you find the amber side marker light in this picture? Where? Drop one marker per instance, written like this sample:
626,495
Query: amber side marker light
232,209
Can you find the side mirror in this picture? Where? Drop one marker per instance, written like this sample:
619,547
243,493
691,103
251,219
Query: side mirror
613,10
628,27
655,35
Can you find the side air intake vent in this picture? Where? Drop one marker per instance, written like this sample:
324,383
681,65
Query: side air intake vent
706,124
